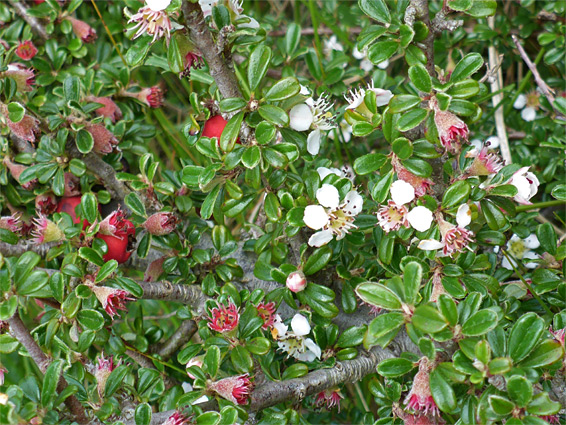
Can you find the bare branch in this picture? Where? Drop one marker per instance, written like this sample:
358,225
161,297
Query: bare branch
190,295
24,246
19,330
35,25
182,335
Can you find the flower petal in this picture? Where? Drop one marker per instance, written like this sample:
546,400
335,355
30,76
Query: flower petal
300,325
328,196
323,172
464,215
300,117
529,114
430,245
321,238
315,349
313,142
520,102
420,218
493,142
157,5
353,203
402,192
531,241
315,217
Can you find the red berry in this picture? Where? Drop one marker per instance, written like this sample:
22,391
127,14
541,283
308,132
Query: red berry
120,246
68,205
214,128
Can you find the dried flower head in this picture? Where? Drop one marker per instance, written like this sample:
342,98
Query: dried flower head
82,30
111,299
236,389
26,50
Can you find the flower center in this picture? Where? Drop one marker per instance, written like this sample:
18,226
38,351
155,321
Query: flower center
517,248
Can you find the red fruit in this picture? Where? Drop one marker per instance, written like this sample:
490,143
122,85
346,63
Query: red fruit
68,205
214,127
120,247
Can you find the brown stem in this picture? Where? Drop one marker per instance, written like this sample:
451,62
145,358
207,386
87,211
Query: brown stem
21,10
19,330
188,294
24,246
182,335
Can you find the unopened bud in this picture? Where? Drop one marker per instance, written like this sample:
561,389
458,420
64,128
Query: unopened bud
296,281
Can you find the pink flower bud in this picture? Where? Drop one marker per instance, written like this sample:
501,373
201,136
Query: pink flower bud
177,418
421,185
296,281
26,50
109,110
224,319
46,203
420,398
235,388
485,162
13,223
195,361
451,129
151,96
82,30
154,270
24,77
104,367
16,170
104,139
111,299
161,223
46,231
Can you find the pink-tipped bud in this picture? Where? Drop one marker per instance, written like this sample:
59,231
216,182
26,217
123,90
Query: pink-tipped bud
46,231
24,77
177,418
104,367
13,223
16,170
114,224
161,223
46,203
296,281
26,50
485,162
420,398
236,389
151,96
111,299
109,108
224,318
2,372
104,139
154,270
451,129
82,30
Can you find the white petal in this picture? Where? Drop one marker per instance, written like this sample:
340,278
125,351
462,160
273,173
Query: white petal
520,102
307,356
477,144
157,5
382,97
321,238
383,64
531,256
253,24
532,242
464,215
313,142
402,192
493,142
367,65
523,186
420,218
430,245
323,172
506,264
315,349
357,54
533,183
353,203
300,325
315,217
529,114
328,196
186,387
300,117
200,400
280,327
305,91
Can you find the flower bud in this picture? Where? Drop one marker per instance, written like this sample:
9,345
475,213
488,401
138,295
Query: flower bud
16,170
161,223
24,77
46,231
178,418
104,367
235,388
26,50
195,361
111,299
450,129
46,203
104,139
296,281
82,30
154,270
109,108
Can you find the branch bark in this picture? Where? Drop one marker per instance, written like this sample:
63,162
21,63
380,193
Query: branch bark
9,250
190,295
182,335
35,25
19,330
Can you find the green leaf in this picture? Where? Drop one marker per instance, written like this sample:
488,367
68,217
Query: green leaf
115,380
547,237
16,112
25,264
525,335
231,132
480,323
134,203
369,163
376,9
8,307
428,319
137,52
265,132
493,215
106,270
448,309
460,5
520,390
283,89
411,119
274,115
456,194
548,352
72,88
232,104
378,295
542,405
559,191
143,410
241,359
420,78
500,405
50,380
259,346
351,337
84,141
272,207
292,38
209,418
382,50
233,207
90,319
403,102
467,66
258,65
251,157
412,277
385,323
295,371
317,260
442,392
393,368
482,8
174,57
89,206
212,360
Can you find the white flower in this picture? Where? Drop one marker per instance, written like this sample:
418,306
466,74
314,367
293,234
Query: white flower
152,20
313,142
300,117
345,172
158,5
365,63
382,96
332,218
305,91
520,102
331,44
315,115
294,342
464,215
529,105
355,98
420,218
383,64
357,54
477,144
402,192
520,249
527,185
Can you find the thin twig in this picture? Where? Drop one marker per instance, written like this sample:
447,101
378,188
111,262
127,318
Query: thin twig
547,91
35,25
496,86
